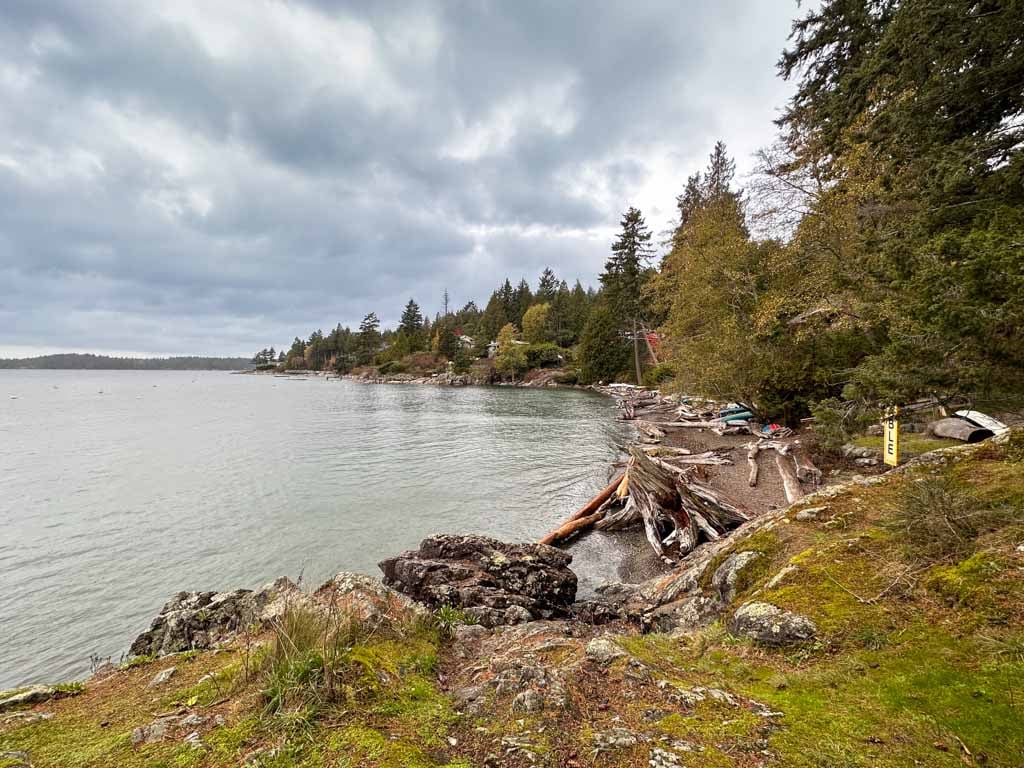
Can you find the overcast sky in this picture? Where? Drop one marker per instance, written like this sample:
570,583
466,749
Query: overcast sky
215,176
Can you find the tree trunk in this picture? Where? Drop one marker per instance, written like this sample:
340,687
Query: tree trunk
636,355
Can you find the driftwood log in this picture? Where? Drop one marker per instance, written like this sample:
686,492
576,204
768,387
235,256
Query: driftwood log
677,512
752,450
805,470
589,509
790,482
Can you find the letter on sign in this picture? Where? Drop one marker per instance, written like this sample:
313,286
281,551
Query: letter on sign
891,437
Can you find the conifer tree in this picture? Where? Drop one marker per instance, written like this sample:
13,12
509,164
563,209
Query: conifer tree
624,276
547,287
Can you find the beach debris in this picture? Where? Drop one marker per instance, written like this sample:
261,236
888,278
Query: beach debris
982,420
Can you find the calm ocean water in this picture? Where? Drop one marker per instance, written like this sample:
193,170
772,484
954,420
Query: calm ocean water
118,489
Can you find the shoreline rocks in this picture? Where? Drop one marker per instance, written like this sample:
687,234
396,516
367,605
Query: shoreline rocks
198,620
494,582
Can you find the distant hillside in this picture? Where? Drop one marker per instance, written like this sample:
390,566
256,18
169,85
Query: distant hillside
102,362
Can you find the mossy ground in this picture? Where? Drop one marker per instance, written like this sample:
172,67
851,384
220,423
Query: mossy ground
918,662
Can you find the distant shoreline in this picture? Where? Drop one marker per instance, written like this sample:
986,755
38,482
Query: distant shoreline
90,362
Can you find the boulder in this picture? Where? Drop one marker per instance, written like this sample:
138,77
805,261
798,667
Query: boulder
728,573
34,695
603,651
772,625
199,620
493,581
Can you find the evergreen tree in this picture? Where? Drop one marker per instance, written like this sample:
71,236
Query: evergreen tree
604,353
522,300
369,338
624,276
561,314
411,326
547,287
579,310
412,319
493,319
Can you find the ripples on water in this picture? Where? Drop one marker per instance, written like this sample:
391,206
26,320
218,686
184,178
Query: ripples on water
118,489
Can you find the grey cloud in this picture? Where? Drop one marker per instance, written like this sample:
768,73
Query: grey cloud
176,184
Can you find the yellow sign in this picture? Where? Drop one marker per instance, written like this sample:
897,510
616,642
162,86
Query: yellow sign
891,437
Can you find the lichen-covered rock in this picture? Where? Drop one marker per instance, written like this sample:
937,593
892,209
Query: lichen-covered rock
34,695
772,625
365,598
684,615
495,582
728,573
601,650
162,677
198,620
201,620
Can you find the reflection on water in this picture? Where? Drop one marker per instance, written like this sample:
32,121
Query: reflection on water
118,489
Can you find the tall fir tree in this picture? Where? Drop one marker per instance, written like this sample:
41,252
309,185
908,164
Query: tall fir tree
624,276
547,287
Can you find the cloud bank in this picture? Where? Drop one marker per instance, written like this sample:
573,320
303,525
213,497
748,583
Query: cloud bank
211,178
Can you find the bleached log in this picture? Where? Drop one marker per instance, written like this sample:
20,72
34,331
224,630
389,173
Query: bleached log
752,450
687,424
790,482
649,429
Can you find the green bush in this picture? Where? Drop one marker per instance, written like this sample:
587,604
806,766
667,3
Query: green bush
393,367
658,374
569,378
836,422
544,355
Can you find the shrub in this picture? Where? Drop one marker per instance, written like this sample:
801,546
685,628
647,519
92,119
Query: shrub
837,421
937,519
658,374
448,618
393,367
546,355
569,378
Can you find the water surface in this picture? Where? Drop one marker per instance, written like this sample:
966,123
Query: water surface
120,488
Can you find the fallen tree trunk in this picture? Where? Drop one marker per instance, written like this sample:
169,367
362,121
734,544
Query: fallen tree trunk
587,509
687,424
790,482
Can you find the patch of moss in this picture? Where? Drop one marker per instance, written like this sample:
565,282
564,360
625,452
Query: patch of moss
976,583
138,661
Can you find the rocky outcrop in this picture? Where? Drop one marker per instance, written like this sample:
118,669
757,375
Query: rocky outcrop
34,695
196,620
200,620
494,582
771,625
